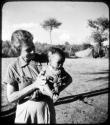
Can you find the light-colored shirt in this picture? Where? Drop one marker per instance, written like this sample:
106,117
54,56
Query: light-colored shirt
21,74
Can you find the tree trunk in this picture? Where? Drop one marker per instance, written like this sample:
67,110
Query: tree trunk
50,36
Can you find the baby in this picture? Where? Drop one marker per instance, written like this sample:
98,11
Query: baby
53,73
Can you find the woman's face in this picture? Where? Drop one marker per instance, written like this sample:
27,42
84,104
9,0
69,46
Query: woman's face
28,51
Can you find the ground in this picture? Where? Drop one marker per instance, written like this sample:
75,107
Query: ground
85,100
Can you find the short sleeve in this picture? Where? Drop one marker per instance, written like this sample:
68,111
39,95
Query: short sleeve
10,76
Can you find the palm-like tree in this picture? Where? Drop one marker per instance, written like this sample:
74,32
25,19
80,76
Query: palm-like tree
50,24
100,25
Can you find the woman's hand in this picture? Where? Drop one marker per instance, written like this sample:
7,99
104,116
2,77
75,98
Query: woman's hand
40,81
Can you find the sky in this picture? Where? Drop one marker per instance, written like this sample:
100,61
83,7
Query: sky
73,16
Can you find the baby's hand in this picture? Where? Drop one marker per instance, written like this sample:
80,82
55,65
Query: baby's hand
55,98
40,81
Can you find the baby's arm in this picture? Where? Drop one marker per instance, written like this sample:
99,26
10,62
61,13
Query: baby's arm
44,88
47,91
64,81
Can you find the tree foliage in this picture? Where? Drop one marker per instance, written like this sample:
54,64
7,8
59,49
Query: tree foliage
98,37
8,50
42,48
101,24
50,24
100,32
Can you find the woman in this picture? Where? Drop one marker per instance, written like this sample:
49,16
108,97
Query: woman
23,83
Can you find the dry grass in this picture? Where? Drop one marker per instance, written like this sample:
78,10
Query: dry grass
89,75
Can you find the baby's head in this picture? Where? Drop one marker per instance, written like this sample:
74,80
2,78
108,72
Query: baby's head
56,58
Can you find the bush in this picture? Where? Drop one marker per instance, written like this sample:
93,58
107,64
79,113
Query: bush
6,46
69,50
8,50
41,48
100,51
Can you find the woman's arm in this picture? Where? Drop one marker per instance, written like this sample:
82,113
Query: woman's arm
14,95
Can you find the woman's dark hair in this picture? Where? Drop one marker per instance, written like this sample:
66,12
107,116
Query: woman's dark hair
22,37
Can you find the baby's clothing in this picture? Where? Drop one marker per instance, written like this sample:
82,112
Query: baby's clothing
54,79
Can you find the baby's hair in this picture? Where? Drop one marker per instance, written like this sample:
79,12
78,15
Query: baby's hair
21,36
55,50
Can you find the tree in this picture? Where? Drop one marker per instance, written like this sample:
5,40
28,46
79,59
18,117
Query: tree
67,43
100,24
100,31
50,24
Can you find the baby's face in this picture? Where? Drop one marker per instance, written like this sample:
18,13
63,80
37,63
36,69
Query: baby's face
55,61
